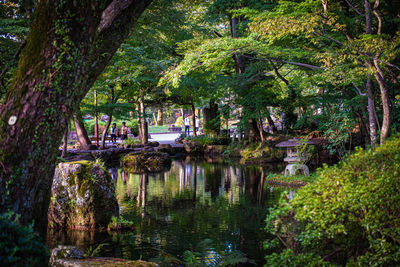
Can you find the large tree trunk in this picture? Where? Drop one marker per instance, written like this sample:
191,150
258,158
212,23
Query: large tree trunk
81,133
69,45
103,135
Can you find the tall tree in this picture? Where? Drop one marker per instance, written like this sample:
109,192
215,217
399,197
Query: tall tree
69,44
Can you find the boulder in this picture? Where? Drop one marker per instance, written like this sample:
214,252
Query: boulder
146,161
82,197
165,148
70,256
154,144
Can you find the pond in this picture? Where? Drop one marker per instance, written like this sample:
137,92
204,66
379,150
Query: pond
211,211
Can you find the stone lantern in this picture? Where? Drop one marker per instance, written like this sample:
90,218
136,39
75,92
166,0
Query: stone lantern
294,159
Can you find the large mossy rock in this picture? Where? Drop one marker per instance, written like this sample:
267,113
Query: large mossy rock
146,161
69,256
82,197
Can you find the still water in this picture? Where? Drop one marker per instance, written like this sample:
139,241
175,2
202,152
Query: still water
213,212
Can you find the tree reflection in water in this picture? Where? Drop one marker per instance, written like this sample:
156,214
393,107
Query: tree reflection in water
194,201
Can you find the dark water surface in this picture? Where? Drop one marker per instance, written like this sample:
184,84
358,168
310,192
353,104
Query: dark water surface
209,210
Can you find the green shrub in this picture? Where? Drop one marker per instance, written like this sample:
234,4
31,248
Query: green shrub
179,122
132,141
19,245
207,140
350,215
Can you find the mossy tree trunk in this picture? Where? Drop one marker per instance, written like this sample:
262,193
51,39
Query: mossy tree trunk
69,45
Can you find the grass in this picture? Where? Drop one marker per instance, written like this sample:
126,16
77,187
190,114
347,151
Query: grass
158,129
294,180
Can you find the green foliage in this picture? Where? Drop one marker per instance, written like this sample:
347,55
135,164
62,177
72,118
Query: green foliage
95,251
118,223
337,128
291,180
205,255
207,140
179,122
132,141
19,245
349,216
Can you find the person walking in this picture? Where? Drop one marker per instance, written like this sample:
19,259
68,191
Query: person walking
114,133
197,124
187,125
124,132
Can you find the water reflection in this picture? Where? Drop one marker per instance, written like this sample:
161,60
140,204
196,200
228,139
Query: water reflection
212,208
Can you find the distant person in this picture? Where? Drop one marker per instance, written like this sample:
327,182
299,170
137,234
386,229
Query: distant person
114,133
197,124
187,125
124,131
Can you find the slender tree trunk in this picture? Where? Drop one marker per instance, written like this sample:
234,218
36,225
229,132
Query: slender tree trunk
194,120
144,137
380,78
271,123
371,113
260,128
103,134
81,133
69,45
155,118
160,117
378,73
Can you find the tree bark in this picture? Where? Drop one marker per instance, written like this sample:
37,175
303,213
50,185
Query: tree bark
65,142
371,113
81,133
378,73
380,78
260,128
103,134
271,124
160,117
69,45
144,133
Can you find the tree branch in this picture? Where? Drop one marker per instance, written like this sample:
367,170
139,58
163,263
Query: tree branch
354,8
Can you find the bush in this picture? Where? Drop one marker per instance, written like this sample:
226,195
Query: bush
132,141
206,140
351,214
179,122
19,245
